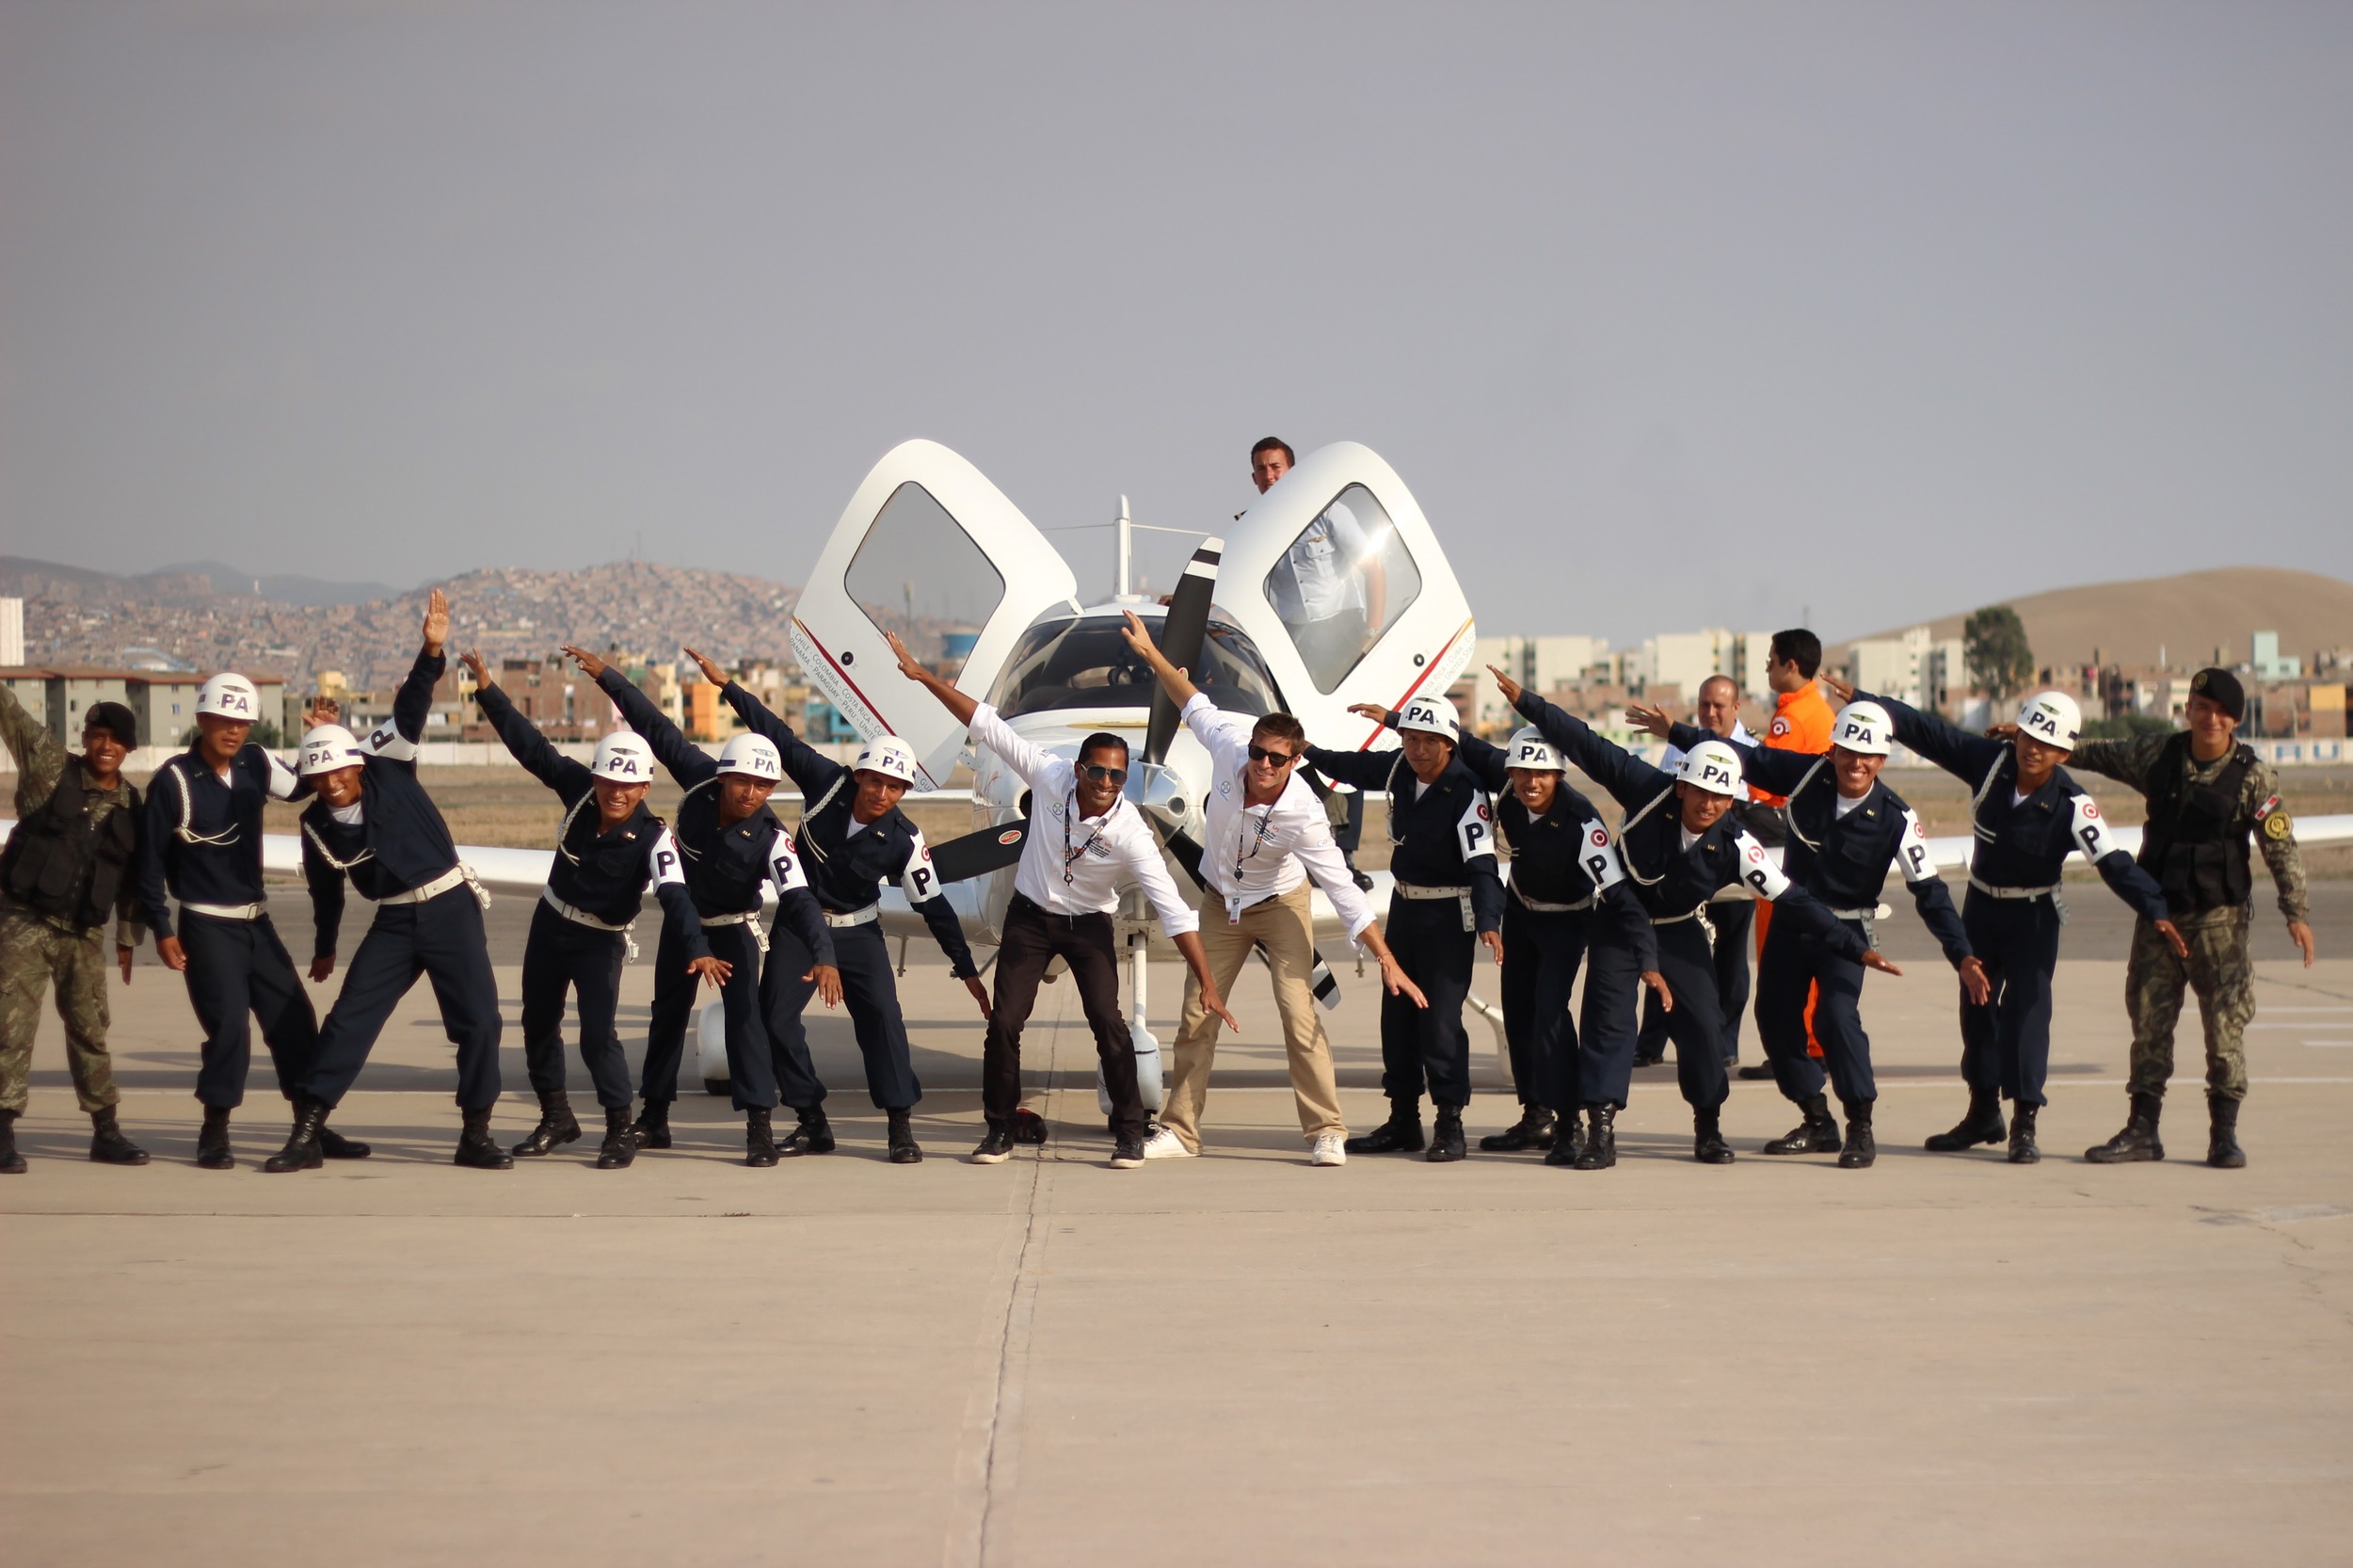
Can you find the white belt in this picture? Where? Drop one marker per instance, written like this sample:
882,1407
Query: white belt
747,916
1540,908
1694,913
1991,891
582,916
1459,895
224,911
867,916
460,873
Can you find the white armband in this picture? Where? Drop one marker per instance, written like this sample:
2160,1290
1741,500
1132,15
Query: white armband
1600,857
664,858
1475,835
2092,831
919,876
1758,870
1912,851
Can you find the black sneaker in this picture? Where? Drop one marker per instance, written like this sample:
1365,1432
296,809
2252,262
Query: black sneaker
996,1146
1127,1153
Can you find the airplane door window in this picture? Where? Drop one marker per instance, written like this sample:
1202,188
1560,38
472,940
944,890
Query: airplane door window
920,574
1345,581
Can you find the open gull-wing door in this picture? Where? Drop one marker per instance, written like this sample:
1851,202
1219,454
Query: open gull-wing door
928,548
1336,577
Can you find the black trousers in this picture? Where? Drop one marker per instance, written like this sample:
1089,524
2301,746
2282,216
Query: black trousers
1428,1047
564,956
751,1076
1542,954
442,937
1605,1057
2005,1045
863,953
1734,920
1605,1066
236,968
1792,964
1032,939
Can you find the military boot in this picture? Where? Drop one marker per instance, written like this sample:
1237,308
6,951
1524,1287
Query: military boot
212,1141
1817,1134
334,1146
1533,1131
2223,1150
1568,1141
1399,1134
905,1150
1862,1148
1708,1137
813,1135
2022,1150
11,1162
557,1125
619,1148
1980,1124
1601,1138
303,1152
2138,1141
1446,1144
653,1126
108,1146
759,1137
476,1148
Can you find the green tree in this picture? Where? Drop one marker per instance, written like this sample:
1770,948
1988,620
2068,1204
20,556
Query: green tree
1994,641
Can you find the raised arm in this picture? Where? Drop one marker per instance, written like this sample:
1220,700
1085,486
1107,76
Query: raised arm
40,756
1950,748
412,706
1630,782
550,767
686,762
2128,761
1360,770
1487,762
956,702
1178,686
812,772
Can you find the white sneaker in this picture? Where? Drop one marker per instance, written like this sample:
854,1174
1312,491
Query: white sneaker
1165,1144
1330,1150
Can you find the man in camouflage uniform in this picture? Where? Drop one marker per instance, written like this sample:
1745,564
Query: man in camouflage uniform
63,870
2208,796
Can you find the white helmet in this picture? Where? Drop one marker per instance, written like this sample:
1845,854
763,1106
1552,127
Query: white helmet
624,759
231,697
755,755
1529,749
1432,716
2053,718
1712,766
1865,728
886,755
330,748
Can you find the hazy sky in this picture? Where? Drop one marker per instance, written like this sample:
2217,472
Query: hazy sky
1667,315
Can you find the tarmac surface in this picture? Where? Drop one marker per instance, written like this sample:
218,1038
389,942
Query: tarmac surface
1230,1359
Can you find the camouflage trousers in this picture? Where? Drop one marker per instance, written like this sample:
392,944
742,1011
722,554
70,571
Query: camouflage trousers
2222,973
34,954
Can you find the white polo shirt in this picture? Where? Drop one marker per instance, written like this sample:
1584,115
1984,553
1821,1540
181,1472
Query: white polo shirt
1255,853
1098,853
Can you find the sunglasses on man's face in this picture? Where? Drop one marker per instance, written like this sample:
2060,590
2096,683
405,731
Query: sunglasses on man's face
1095,772
1264,754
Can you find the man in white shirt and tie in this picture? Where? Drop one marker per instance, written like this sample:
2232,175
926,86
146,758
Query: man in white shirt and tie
1083,840
1265,836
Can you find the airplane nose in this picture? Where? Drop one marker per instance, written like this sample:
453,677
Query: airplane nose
1161,789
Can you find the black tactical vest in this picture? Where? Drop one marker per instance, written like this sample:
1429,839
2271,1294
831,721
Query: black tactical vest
2195,844
58,865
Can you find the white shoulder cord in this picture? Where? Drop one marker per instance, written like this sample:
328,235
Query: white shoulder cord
683,848
565,831
1791,816
187,832
1977,801
1628,860
329,855
1389,787
810,851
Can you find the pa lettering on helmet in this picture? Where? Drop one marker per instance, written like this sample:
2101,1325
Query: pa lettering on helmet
886,755
1712,766
1431,716
2053,718
1864,729
330,748
1529,749
229,696
754,755
623,759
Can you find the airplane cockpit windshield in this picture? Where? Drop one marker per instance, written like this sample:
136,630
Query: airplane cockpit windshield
1084,663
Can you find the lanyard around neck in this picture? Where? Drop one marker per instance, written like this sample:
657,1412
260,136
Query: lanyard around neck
1069,856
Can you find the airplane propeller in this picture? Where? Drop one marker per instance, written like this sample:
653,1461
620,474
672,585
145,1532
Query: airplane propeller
1183,630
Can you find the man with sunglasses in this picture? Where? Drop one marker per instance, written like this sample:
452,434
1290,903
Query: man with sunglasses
1265,836
1083,842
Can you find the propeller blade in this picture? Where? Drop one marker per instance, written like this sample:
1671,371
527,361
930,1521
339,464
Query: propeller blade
979,854
1181,631
1187,854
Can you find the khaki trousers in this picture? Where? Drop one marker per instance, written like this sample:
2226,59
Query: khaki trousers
1285,929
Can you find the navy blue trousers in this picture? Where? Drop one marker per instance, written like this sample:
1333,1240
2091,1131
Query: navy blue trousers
442,937
870,993
1792,964
1428,1047
1542,954
1732,919
2005,1045
238,970
1605,1066
751,1074
564,956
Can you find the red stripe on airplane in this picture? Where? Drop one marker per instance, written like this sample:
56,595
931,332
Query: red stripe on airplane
1428,670
856,687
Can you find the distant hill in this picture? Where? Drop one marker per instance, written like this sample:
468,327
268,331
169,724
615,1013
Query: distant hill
190,581
284,588
2184,618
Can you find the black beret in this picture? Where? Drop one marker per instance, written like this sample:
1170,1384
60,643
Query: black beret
2220,687
116,720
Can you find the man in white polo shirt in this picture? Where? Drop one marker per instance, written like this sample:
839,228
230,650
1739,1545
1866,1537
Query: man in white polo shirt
1265,836
1084,839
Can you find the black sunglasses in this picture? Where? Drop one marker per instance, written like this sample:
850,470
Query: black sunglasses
1281,759
1095,772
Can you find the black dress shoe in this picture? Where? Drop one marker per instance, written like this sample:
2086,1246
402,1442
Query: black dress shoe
813,1135
1533,1131
1980,1124
1399,1134
1817,1134
1709,1148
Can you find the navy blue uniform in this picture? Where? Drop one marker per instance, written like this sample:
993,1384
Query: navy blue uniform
2012,914
1673,881
202,845
725,867
599,875
1442,839
398,845
846,871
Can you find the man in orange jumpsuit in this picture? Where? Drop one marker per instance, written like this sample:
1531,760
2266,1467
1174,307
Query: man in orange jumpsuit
1802,722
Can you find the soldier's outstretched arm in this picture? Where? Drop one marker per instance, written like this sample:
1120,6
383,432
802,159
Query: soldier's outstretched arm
523,739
